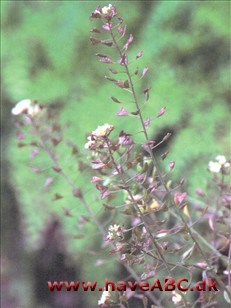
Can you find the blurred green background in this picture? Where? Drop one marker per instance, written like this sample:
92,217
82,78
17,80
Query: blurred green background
47,55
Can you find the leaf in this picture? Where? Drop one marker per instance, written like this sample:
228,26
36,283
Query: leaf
113,71
109,207
126,84
115,100
95,30
94,40
188,254
101,55
57,197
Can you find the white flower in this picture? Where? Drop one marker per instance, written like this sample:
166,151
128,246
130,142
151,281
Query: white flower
106,9
110,236
104,298
21,107
214,167
114,232
114,228
176,298
89,143
26,106
221,162
221,159
97,12
103,130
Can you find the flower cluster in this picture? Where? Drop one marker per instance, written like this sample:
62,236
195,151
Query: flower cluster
105,297
219,165
97,136
107,12
176,297
115,231
26,106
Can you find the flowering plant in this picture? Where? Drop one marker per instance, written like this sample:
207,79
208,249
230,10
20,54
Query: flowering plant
156,228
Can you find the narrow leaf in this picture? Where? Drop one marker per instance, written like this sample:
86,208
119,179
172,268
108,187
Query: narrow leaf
115,100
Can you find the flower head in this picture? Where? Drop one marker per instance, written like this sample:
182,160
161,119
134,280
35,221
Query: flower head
221,159
176,297
102,131
221,162
90,143
214,167
26,106
114,228
106,9
114,232
104,298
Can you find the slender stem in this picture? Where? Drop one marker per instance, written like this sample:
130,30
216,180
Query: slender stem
152,156
161,256
88,209
140,114
137,207
229,266
154,159
211,270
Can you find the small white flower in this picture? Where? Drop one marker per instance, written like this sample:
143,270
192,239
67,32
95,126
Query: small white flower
110,236
21,107
221,159
104,298
26,106
227,165
103,130
89,143
114,228
34,110
214,167
106,9
176,298
97,12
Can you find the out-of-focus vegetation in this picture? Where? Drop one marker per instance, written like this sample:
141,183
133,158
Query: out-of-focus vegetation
47,56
